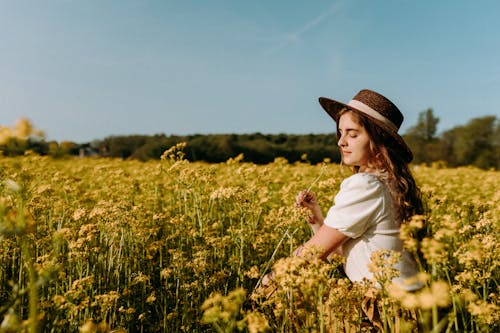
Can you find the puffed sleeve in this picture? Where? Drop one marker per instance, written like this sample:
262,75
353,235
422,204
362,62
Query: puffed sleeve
357,205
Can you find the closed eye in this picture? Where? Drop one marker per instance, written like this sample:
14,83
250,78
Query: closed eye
351,132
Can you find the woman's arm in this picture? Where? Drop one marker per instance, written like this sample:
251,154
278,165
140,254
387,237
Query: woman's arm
327,239
308,199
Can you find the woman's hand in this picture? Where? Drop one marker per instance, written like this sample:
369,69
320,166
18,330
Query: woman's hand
267,279
308,199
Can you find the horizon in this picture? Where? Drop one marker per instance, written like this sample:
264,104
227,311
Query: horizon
402,133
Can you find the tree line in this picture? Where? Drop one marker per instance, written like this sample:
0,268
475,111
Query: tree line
476,143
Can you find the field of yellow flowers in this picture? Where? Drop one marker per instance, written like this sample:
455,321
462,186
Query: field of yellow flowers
100,245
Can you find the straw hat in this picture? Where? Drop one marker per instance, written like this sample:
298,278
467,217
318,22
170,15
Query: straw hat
378,109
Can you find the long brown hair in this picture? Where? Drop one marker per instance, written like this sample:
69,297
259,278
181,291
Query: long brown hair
385,157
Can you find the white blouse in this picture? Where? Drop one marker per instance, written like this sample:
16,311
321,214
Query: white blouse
364,212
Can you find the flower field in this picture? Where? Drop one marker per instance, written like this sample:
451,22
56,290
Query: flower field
101,245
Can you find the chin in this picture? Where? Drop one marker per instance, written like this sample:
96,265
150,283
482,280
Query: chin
346,162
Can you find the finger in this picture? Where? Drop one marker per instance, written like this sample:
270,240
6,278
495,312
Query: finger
265,281
309,197
300,198
305,198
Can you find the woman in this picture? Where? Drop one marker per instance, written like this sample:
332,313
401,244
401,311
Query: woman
376,199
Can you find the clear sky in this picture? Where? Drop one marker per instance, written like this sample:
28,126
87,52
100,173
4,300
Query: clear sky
87,69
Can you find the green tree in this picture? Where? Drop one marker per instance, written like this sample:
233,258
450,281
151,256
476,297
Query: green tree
426,126
496,144
444,149
422,136
475,143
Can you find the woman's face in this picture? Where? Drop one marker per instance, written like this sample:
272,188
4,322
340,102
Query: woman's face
354,142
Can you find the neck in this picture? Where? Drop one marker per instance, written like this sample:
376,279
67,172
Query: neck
365,168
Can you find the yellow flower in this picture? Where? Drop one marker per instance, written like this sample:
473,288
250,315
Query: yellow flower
78,214
486,313
433,250
257,322
253,272
151,298
441,292
5,135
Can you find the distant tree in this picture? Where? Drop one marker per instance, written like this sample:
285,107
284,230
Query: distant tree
211,148
64,148
16,140
475,143
40,147
68,148
426,126
496,144
54,149
422,136
14,147
152,148
442,150
280,138
123,146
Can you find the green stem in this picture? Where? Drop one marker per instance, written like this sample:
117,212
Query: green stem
33,292
386,324
434,318
321,312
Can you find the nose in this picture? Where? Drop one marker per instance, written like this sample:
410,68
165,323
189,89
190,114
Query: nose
341,142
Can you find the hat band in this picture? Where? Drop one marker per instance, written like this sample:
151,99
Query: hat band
360,106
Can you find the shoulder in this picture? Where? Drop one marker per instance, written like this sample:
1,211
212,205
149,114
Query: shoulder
357,205
360,187
362,181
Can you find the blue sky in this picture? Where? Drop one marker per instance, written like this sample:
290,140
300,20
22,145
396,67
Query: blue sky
84,70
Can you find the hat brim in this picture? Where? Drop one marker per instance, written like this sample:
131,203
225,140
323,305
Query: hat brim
333,109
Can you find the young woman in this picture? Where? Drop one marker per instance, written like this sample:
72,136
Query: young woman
376,199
